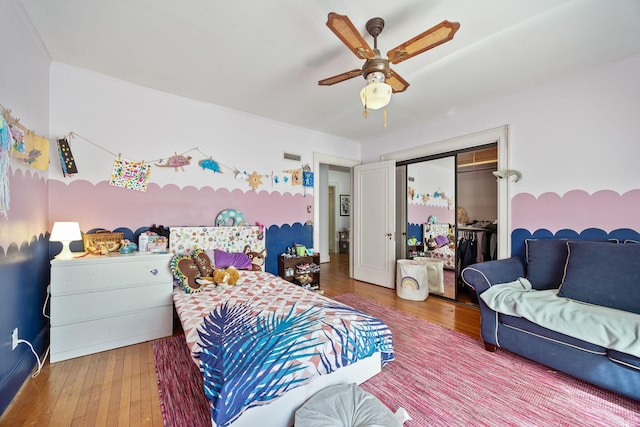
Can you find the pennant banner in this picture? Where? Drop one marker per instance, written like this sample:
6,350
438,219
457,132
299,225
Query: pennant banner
36,152
130,174
66,158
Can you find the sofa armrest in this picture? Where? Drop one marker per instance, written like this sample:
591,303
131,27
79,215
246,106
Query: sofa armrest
481,277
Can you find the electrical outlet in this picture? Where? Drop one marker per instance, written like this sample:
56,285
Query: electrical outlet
14,339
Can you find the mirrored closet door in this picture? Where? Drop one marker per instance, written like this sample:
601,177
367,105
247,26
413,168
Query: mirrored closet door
451,214
431,198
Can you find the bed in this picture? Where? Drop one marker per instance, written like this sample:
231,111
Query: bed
265,345
445,252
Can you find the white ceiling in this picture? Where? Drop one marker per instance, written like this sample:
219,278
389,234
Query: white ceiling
266,57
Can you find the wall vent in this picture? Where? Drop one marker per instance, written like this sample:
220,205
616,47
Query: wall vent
294,157
411,179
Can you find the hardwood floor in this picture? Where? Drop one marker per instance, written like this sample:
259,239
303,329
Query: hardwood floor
118,387
334,278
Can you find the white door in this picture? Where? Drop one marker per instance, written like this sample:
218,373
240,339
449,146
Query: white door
373,218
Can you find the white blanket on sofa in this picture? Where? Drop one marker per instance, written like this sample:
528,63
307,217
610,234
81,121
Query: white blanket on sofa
603,326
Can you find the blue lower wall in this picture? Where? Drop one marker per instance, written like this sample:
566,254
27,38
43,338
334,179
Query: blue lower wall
414,230
25,276
281,238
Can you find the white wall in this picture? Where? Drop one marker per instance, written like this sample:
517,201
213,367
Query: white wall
579,132
433,175
145,124
24,82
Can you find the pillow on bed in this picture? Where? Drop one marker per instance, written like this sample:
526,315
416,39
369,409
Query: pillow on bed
185,270
442,241
239,260
203,261
603,274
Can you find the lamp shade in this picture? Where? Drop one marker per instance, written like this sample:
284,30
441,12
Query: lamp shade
65,232
375,95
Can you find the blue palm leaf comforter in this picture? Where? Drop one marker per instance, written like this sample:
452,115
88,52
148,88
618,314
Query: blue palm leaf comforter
263,337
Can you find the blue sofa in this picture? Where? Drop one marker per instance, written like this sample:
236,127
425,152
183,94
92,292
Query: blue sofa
586,273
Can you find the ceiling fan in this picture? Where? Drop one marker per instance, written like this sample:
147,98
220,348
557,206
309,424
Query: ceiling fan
382,80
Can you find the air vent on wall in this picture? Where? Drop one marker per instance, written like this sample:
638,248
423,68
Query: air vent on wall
294,157
411,179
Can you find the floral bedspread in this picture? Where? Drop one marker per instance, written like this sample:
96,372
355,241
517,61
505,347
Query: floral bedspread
265,336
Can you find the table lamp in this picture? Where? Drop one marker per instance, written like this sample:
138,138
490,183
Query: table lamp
65,232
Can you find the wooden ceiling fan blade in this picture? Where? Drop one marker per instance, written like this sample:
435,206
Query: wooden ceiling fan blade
397,83
340,77
342,27
435,36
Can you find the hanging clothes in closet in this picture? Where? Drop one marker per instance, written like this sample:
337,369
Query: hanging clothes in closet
467,250
475,244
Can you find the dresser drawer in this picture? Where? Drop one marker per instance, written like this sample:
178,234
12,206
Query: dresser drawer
78,307
103,302
79,339
98,273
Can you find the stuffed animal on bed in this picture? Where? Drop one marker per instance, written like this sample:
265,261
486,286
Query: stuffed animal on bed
257,258
228,276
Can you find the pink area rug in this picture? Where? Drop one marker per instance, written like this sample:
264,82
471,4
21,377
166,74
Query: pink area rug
441,377
182,398
445,378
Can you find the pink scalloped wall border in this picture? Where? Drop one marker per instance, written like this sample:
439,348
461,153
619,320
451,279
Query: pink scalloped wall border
419,214
106,206
576,210
27,207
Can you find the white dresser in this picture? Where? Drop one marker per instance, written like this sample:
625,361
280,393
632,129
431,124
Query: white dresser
103,302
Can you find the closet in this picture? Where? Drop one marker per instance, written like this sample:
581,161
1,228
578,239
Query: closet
453,194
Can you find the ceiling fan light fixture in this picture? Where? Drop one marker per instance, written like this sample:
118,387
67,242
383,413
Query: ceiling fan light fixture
376,94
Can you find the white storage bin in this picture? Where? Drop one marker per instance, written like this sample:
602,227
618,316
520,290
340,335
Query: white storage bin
412,282
435,273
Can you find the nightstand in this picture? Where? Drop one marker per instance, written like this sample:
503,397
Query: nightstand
103,302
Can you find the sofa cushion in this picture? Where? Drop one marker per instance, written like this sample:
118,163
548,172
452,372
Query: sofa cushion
603,274
546,259
524,325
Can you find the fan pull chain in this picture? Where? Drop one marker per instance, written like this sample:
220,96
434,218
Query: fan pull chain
365,113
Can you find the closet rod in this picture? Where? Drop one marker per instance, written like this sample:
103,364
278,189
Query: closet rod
474,169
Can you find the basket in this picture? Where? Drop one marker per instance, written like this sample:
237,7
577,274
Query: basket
102,242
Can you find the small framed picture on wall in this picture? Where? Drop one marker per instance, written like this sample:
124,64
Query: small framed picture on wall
345,205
